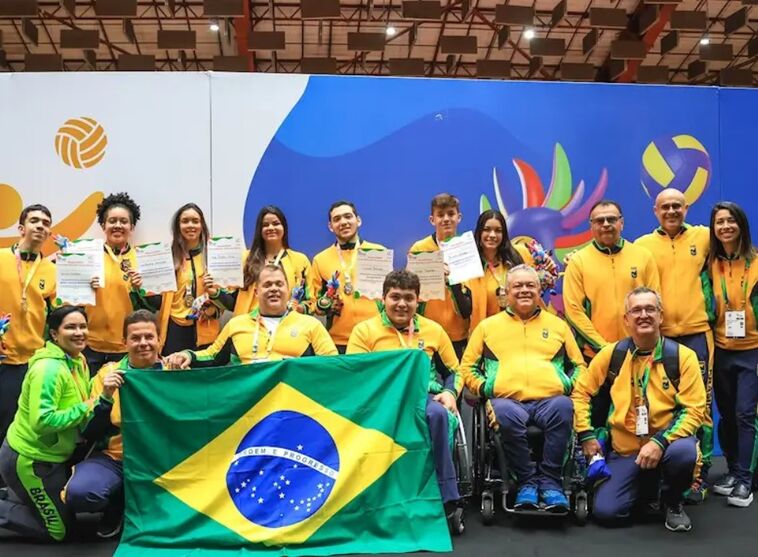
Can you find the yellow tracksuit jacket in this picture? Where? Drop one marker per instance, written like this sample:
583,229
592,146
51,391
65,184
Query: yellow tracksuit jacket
672,414
378,334
296,266
595,284
736,282
523,360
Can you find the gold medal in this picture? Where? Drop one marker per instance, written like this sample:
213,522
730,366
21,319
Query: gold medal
348,288
188,297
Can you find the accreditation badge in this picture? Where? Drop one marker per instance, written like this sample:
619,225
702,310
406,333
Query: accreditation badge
735,324
641,425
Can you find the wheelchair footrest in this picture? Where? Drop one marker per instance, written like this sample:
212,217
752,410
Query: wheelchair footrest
541,511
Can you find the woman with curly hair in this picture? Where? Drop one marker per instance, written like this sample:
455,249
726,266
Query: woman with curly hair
117,297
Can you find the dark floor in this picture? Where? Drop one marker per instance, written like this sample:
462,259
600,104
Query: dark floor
718,531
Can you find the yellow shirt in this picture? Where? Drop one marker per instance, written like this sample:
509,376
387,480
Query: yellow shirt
378,335
523,360
354,309
739,282
445,312
112,303
685,289
26,330
672,414
296,266
595,286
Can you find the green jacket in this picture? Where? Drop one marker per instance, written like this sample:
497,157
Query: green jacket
54,402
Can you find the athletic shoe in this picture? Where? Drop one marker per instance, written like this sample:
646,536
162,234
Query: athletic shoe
741,496
677,519
3,493
527,498
696,494
724,485
555,500
111,524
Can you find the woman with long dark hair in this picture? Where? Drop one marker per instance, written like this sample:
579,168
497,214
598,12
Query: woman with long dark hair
183,327
498,255
734,272
271,247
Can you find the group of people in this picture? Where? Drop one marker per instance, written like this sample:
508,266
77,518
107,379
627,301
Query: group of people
629,372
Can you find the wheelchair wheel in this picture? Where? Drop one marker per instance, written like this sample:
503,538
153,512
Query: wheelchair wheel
488,509
581,510
457,524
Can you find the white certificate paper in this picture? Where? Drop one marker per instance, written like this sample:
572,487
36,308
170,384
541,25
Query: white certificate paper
90,246
372,267
156,265
74,273
430,268
225,261
462,258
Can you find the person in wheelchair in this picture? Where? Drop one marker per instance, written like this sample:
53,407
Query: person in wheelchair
399,327
522,360
657,405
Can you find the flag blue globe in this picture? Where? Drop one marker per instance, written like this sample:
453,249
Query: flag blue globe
283,470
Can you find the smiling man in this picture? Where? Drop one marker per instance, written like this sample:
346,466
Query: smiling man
270,332
27,283
680,251
657,406
344,308
598,276
522,360
399,327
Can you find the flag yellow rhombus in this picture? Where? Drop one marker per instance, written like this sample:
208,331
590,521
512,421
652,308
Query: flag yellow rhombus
202,480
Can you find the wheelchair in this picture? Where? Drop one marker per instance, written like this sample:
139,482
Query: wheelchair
462,463
492,475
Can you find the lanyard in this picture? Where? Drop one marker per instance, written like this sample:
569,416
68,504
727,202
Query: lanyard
744,282
191,274
347,270
500,280
410,336
25,281
278,258
640,383
271,334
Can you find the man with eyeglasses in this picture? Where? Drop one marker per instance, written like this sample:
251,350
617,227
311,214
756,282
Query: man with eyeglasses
658,404
598,277
680,251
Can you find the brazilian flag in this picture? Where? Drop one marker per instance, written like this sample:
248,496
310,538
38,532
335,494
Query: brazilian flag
309,456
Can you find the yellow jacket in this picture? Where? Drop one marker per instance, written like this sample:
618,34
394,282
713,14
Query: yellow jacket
595,285
378,335
447,312
685,288
26,330
524,360
354,309
672,414
740,281
296,335
297,268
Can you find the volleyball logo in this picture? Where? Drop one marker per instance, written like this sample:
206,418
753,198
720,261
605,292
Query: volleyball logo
679,162
81,142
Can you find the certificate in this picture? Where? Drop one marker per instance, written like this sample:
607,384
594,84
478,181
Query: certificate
90,246
430,268
74,273
462,258
156,265
372,267
225,261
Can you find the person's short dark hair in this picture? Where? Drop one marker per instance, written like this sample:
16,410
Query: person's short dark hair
274,268
445,201
605,202
55,318
31,208
140,316
121,199
403,280
336,204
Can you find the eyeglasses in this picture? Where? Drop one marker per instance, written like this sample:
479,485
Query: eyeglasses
637,311
599,221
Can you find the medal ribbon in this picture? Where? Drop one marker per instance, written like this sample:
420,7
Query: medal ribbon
113,256
278,257
744,283
500,280
271,334
346,271
24,282
410,336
